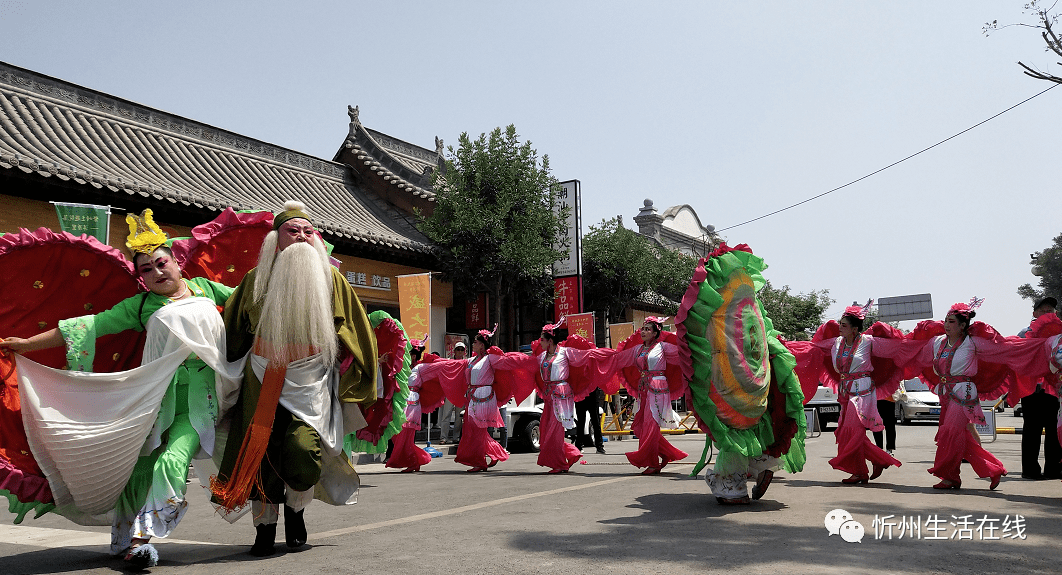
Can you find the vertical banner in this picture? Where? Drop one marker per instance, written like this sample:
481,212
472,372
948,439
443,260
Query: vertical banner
567,296
476,312
567,273
78,219
581,324
619,332
570,196
414,305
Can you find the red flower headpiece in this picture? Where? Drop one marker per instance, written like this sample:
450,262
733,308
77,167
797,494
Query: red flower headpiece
419,343
658,321
550,327
966,308
489,334
858,312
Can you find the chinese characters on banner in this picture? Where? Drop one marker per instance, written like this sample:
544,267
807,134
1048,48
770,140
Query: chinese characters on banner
568,296
581,324
414,304
619,332
476,312
78,219
369,281
569,196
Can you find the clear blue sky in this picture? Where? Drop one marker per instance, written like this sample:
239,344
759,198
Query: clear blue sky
737,109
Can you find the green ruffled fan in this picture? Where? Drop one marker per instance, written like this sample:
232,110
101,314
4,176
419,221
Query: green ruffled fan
743,388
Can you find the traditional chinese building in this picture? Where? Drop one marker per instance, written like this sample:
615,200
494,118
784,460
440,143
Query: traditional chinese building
60,142
678,228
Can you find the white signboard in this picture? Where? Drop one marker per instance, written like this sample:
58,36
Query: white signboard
570,196
988,430
919,306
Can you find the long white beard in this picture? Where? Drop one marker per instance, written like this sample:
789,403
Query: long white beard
297,318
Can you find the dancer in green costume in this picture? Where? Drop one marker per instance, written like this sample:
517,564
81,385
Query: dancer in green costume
153,500
741,378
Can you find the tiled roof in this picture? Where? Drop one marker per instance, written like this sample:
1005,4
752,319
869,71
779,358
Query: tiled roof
401,164
57,129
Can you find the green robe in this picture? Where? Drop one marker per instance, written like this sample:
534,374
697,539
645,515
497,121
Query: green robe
357,347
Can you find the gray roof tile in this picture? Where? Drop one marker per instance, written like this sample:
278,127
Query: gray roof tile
51,127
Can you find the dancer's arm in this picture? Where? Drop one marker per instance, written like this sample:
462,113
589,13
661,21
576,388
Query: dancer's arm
43,340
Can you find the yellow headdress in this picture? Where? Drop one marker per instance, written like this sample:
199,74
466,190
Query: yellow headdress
144,236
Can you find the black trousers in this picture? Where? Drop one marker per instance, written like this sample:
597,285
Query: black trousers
1040,410
589,407
887,410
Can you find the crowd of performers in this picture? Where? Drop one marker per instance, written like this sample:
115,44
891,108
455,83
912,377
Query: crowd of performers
267,387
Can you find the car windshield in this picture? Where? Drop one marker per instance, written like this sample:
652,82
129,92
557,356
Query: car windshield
915,385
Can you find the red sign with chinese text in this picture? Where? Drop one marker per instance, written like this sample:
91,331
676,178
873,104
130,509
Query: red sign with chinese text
568,296
476,312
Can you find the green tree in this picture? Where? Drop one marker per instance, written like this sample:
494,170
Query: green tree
619,265
496,220
1048,265
795,316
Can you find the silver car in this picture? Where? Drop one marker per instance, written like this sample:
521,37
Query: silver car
916,403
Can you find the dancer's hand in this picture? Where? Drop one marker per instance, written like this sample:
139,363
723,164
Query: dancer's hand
45,340
15,344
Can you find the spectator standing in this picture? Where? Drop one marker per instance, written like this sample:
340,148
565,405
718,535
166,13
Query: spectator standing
1040,409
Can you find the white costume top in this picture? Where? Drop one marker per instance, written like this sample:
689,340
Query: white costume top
86,430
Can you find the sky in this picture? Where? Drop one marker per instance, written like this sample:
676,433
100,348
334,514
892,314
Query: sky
735,109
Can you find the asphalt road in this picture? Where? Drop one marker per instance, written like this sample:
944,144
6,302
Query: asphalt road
605,518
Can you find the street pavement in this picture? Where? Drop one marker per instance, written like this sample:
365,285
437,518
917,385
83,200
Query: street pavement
604,517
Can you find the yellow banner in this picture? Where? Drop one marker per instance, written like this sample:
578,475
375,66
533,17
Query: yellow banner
581,324
414,304
618,332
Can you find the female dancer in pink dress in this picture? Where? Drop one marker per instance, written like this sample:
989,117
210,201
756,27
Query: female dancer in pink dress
478,384
858,370
569,368
651,372
406,454
965,363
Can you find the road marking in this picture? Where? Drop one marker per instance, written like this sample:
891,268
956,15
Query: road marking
456,510
50,538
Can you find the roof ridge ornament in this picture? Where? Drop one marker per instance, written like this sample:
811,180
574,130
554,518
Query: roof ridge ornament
353,113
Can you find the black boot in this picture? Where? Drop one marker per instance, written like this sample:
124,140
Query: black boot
294,527
265,540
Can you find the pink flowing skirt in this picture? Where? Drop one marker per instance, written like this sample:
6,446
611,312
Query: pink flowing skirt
554,451
955,443
653,449
406,453
854,449
477,445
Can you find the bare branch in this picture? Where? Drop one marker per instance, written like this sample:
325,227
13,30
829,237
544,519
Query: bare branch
1040,75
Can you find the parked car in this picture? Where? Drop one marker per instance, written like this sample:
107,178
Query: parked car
916,403
826,404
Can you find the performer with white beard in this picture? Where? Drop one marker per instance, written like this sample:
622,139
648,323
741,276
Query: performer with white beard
312,359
